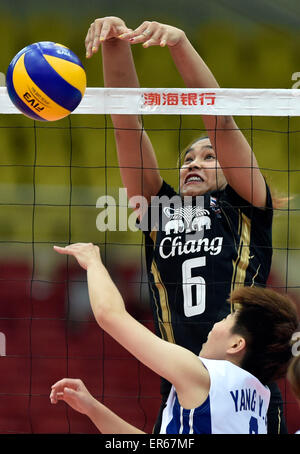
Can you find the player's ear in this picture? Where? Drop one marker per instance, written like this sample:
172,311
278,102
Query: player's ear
237,344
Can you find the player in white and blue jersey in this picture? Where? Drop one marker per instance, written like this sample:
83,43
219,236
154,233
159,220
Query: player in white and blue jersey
237,403
220,391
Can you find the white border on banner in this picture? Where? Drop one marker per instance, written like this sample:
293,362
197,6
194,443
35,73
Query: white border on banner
181,101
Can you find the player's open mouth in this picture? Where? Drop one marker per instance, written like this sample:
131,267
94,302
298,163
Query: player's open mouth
193,178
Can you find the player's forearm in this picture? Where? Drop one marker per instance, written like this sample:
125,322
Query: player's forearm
136,156
107,422
118,64
119,71
196,74
104,296
191,66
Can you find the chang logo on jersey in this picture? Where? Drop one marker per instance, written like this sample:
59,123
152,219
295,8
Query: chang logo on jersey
186,218
189,219
169,247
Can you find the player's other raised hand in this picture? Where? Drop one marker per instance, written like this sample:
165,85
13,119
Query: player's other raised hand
102,29
86,254
154,34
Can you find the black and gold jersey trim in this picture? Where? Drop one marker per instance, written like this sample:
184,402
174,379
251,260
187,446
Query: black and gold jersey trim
162,307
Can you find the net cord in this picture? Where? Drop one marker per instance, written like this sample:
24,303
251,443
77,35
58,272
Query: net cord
183,101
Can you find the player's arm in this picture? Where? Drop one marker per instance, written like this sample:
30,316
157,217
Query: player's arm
74,393
233,151
137,160
177,365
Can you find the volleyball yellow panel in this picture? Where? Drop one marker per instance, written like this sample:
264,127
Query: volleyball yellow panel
36,100
69,71
62,45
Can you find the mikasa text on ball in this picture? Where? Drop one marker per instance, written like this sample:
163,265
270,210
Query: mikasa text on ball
46,81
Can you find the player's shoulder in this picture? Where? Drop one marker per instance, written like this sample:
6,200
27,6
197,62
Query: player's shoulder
166,189
226,370
230,200
221,369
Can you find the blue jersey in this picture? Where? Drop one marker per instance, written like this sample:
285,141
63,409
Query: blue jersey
237,404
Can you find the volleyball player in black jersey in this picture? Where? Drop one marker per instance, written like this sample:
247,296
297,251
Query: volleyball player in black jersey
217,233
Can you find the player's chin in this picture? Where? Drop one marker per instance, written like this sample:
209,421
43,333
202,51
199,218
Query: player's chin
203,354
191,190
203,349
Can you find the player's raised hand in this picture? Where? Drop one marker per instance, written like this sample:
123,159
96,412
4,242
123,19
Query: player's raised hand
74,393
101,30
154,34
86,254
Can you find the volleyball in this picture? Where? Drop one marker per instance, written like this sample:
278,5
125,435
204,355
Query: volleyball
46,81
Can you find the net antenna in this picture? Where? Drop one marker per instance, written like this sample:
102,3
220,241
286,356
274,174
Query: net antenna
2,79
2,344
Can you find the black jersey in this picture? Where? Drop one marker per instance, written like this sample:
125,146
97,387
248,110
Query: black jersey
197,253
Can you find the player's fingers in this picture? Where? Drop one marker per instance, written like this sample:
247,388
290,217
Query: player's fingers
55,397
72,246
88,44
72,249
92,32
57,390
66,382
60,396
78,245
141,37
88,51
131,34
163,39
81,247
161,36
68,392
150,34
154,39
144,28
126,34
106,28
150,42
98,33
60,383
122,30
64,250
87,37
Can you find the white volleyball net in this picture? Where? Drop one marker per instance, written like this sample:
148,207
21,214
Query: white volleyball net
57,180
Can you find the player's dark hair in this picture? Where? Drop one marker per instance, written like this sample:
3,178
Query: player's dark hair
267,321
293,376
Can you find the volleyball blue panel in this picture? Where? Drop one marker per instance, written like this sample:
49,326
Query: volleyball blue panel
21,52
15,98
63,52
51,83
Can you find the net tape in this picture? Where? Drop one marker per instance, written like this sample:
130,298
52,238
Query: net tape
183,101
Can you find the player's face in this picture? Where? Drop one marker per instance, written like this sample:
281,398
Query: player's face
219,340
201,172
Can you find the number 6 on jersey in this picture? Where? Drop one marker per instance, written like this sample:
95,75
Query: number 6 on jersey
188,281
